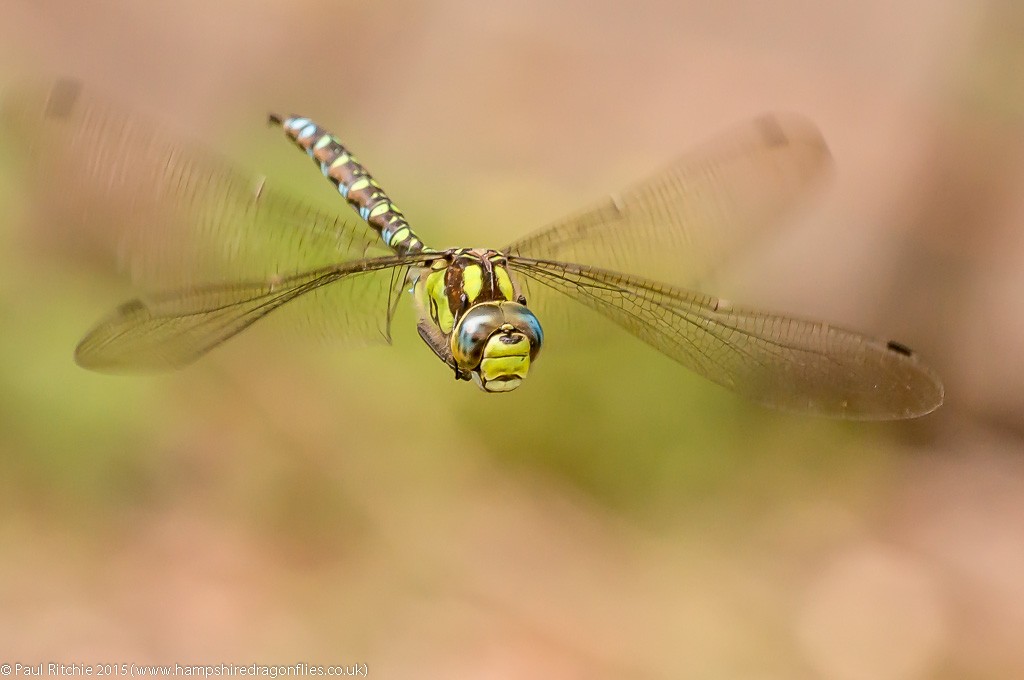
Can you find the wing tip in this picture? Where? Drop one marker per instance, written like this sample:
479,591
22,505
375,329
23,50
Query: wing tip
63,97
781,129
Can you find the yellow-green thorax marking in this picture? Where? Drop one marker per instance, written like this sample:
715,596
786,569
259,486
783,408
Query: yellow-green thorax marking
463,278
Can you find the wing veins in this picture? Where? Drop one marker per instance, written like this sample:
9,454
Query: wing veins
700,321
190,322
779,360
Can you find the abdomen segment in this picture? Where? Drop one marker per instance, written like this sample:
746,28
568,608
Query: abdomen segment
354,183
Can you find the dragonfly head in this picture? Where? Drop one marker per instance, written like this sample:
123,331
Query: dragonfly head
496,342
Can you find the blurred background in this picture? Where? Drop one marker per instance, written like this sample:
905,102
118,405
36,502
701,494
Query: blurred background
290,500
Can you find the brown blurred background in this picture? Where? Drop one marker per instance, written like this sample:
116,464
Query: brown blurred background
269,504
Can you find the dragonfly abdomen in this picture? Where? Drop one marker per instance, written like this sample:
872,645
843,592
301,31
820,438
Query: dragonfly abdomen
354,183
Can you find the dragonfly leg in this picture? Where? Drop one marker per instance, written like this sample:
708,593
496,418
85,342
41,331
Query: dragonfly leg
437,343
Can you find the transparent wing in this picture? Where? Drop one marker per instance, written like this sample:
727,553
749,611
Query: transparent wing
779,361
174,329
178,214
684,221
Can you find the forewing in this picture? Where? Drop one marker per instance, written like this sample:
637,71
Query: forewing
174,329
178,213
684,221
779,361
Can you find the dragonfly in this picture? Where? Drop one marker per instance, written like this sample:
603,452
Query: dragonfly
183,205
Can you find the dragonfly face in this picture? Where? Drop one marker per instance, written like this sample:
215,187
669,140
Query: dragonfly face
472,316
496,342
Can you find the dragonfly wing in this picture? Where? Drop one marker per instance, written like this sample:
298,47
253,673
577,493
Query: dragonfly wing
779,361
174,329
177,214
684,221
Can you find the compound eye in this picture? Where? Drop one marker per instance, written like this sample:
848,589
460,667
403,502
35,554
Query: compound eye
470,336
525,321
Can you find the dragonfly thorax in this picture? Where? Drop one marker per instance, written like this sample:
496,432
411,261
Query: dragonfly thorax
461,278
